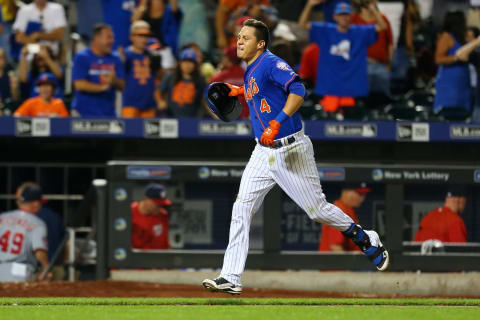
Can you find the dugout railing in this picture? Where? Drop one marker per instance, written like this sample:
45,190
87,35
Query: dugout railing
125,180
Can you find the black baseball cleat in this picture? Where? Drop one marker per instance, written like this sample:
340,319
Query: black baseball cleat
221,285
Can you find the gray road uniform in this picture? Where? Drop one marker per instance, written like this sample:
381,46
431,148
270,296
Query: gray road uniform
21,234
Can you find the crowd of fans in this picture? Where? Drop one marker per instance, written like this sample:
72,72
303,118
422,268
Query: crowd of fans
363,59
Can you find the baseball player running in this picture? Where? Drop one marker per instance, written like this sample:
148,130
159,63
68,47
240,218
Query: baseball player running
283,155
23,237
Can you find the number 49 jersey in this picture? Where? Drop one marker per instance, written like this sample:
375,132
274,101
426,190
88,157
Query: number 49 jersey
267,80
21,234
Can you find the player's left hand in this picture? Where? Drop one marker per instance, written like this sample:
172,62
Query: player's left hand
270,133
234,90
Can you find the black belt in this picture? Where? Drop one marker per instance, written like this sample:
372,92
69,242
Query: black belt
278,143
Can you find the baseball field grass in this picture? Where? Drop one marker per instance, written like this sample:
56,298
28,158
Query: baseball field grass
237,308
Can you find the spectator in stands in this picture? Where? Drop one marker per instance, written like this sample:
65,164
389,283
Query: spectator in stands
195,26
224,11
231,71
150,219
9,11
253,9
379,54
472,35
45,105
230,67
118,14
351,197
97,73
181,93
42,60
235,28
138,96
309,64
40,22
404,55
453,78
8,80
207,69
164,54
164,20
444,223
342,69
89,12
470,53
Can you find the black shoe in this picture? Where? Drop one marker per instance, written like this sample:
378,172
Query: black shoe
221,285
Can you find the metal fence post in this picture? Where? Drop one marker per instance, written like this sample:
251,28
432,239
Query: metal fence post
101,229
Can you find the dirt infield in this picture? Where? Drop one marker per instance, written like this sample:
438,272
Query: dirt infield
141,289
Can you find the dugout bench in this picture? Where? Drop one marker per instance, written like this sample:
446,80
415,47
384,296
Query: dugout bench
125,180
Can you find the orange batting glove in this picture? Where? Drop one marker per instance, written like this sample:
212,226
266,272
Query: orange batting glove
234,90
270,133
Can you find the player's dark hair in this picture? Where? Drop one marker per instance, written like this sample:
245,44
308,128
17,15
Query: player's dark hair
261,30
99,27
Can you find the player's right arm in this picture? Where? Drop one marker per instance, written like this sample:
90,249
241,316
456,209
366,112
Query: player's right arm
40,248
304,20
42,257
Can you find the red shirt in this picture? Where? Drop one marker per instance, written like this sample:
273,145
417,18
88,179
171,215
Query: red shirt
149,231
233,75
309,62
442,224
379,50
331,236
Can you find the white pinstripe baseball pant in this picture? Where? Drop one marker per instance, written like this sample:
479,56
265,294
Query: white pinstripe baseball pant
293,168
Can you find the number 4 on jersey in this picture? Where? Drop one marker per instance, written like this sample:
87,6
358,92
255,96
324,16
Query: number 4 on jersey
264,107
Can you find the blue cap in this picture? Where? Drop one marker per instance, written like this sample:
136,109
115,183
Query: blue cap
457,191
188,54
47,77
342,8
154,44
31,193
359,187
158,194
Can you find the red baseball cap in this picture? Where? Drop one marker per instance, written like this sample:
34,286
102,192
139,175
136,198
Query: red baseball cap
359,187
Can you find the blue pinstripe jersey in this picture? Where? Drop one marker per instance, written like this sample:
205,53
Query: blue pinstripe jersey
266,91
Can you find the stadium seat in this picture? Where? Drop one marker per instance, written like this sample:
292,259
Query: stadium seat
307,110
422,98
